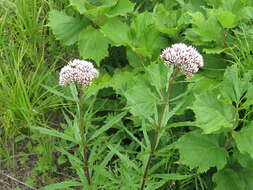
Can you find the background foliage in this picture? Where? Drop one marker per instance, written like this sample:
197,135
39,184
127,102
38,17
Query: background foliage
206,134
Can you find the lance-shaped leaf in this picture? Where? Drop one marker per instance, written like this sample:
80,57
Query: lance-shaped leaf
201,151
66,28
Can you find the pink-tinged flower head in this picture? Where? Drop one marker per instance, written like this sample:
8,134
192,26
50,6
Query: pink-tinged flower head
78,71
186,58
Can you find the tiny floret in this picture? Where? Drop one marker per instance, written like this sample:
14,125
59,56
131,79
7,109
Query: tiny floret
78,71
186,58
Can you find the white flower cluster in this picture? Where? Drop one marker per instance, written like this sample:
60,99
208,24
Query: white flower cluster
186,58
78,71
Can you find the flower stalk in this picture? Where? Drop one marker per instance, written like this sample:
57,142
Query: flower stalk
83,146
186,59
82,73
155,140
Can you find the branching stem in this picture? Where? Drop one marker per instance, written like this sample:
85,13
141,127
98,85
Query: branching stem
155,140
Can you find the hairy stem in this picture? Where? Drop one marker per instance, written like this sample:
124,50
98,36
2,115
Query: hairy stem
84,144
155,140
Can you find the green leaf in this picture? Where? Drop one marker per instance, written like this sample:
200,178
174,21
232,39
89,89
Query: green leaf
123,158
141,101
66,28
226,18
203,30
116,31
78,5
171,176
171,22
245,160
146,40
93,45
159,75
212,114
54,133
121,8
228,179
134,59
56,92
247,175
246,13
108,125
244,140
62,185
201,151
121,82
249,97
232,86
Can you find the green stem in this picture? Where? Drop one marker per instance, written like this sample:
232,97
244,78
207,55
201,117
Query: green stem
84,144
155,140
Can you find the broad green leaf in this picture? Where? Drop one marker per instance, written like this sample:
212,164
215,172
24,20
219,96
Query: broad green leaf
244,140
99,3
233,5
201,151
249,97
211,113
97,9
146,40
66,28
134,59
171,22
232,86
245,160
121,82
247,175
93,45
116,31
193,5
228,179
227,19
246,13
121,8
213,3
54,133
79,5
159,75
141,101
62,185
203,30
108,125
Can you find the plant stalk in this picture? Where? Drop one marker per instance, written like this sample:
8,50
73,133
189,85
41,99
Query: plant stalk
155,140
86,152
